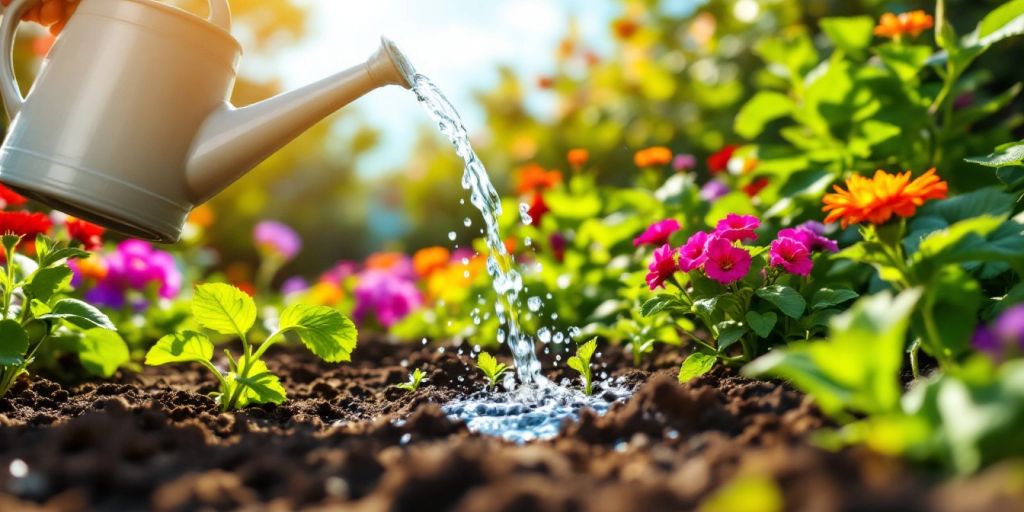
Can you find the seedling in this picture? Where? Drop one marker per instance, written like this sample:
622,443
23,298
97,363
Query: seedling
581,363
415,379
34,310
224,309
492,369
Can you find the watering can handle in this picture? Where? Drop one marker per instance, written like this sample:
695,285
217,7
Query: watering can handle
220,15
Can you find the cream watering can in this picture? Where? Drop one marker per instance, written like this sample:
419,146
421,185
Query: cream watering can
129,123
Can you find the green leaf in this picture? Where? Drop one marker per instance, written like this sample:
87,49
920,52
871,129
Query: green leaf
1004,22
80,314
1004,156
761,323
415,381
62,253
947,316
749,493
827,297
325,331
697,364
10,242
903,59
945,35
729,332
577,364
961,242
857,370
490,366
224,309
785,298
660,303
102,352
261,386
586,350
763,108
13,343
181,347
48,281
851,34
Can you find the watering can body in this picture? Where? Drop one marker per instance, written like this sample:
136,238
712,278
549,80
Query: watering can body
129,122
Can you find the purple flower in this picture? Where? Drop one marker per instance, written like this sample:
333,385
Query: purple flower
792,255
1005,334
737,227
663,266
136,265
684,162
694,252
811,235
658,233
713,190
294,285
343,270
386,296
272,237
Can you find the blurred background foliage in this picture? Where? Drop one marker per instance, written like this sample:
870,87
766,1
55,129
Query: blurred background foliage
674,77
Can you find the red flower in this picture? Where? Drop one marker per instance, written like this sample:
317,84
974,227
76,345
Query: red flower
534,178
538,209
9,197
719,161
25,224
88,233
755,187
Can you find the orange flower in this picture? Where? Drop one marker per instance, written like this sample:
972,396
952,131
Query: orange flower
533,178
430,260
201,216
384,260
93,268
578,157
652,157
625,28
875,200
895,26
325,293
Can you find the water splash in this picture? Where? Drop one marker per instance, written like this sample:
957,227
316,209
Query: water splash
507,281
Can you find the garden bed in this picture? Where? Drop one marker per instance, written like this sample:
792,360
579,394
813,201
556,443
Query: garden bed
155,441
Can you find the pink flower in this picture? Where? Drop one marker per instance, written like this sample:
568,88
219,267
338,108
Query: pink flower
792,255
726,263
810,234
738,227
662,266
658,233
693,253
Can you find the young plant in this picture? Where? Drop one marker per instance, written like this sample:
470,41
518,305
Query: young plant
224,309
492,369
35,310
415,379
581,363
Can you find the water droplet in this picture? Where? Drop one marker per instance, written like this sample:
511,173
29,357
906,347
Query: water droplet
405,439
534,303
524,213
544,335
467,222
559,338
18,468
424,342
451,236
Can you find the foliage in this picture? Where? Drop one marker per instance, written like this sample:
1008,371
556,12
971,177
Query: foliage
224,309
581,363
37,312
492,369
415,379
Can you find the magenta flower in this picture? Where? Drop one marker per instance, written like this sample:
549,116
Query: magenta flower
738,227
658,233
662,267
340,272
792,255
385,296
274,238
294,285
726,263
684,162
1003,336
694,252
136,266
713,190
811,234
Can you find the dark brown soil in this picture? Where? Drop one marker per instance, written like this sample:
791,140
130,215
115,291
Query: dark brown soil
155,441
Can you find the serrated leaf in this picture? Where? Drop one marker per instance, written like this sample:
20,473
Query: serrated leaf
223,308
1006,156
586,350
49,281
80,314
261,386
13,343
657,304
1005,21
181,347
325,331
785,298
695,365
102,352
827,297
762,323
62,253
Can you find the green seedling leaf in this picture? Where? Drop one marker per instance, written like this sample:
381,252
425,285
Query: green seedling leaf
102,352
224,309
761,323
260,387
581,363
492,369
13,343
325,331
80,314
48,282
826,298
415,380
182,347
785,298
695,365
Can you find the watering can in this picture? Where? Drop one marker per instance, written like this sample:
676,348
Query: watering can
129,123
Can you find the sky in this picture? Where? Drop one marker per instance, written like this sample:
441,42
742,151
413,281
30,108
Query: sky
458,43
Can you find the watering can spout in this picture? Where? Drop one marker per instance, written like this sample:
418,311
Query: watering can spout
234,140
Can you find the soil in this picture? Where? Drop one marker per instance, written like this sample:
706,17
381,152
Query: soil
348,439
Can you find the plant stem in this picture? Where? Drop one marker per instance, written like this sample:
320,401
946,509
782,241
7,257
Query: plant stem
915,348
241,376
